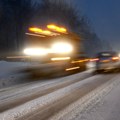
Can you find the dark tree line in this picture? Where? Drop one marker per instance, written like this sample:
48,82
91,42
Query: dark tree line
14,19
17,15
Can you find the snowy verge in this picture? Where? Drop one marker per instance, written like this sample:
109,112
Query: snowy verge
8,67
9,73
79,108
41,102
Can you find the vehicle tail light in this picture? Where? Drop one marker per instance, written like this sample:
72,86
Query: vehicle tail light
94,59
115,58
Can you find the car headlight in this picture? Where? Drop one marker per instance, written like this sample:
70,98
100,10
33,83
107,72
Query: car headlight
62,47
35,51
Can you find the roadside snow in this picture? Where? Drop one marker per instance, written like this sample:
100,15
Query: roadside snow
107,109
84,109
8,73
10,76
38,103
8,67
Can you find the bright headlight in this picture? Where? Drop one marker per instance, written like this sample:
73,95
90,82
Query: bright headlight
62,47
35,51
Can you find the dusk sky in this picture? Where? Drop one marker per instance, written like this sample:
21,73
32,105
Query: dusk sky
104,16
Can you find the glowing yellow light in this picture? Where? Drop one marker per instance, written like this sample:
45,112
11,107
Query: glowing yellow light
43,32
115,58
79,61
38,30
63,29
35,29
46,32
33,34
35,51
51,26
61,48
73,68
56,28
60,58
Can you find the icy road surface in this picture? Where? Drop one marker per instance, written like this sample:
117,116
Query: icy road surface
107,109
9,75
81,96
13,73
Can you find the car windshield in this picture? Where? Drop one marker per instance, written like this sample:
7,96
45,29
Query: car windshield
107,54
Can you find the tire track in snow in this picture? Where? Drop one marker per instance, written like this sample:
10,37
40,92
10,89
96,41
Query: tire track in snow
32,106
18,96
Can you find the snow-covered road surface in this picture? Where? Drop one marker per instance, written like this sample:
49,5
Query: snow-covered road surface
108,107
20,94
63,93
81,96
14,73
9,75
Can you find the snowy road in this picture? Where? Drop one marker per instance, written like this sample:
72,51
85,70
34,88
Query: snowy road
53,99
22,93
81,96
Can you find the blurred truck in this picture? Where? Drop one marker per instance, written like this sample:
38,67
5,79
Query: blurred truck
56,48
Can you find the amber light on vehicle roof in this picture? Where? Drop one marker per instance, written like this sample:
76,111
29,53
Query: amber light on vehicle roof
57,28
38,30
43,32
34,29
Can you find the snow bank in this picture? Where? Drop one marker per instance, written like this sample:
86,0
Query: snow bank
8,72
7,67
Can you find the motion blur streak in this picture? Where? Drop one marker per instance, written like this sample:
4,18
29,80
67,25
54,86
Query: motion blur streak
80,61
115,58
35,51
62,47
56,28
34,34
18,57
62,58
35,29
94,59
43,32
73,68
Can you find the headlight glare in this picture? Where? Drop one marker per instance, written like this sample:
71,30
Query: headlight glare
62,48
35,51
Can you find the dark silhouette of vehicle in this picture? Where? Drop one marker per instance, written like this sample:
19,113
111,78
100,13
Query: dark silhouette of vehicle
107,61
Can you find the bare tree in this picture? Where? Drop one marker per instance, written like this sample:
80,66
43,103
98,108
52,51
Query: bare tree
17,15
63,13
14,20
